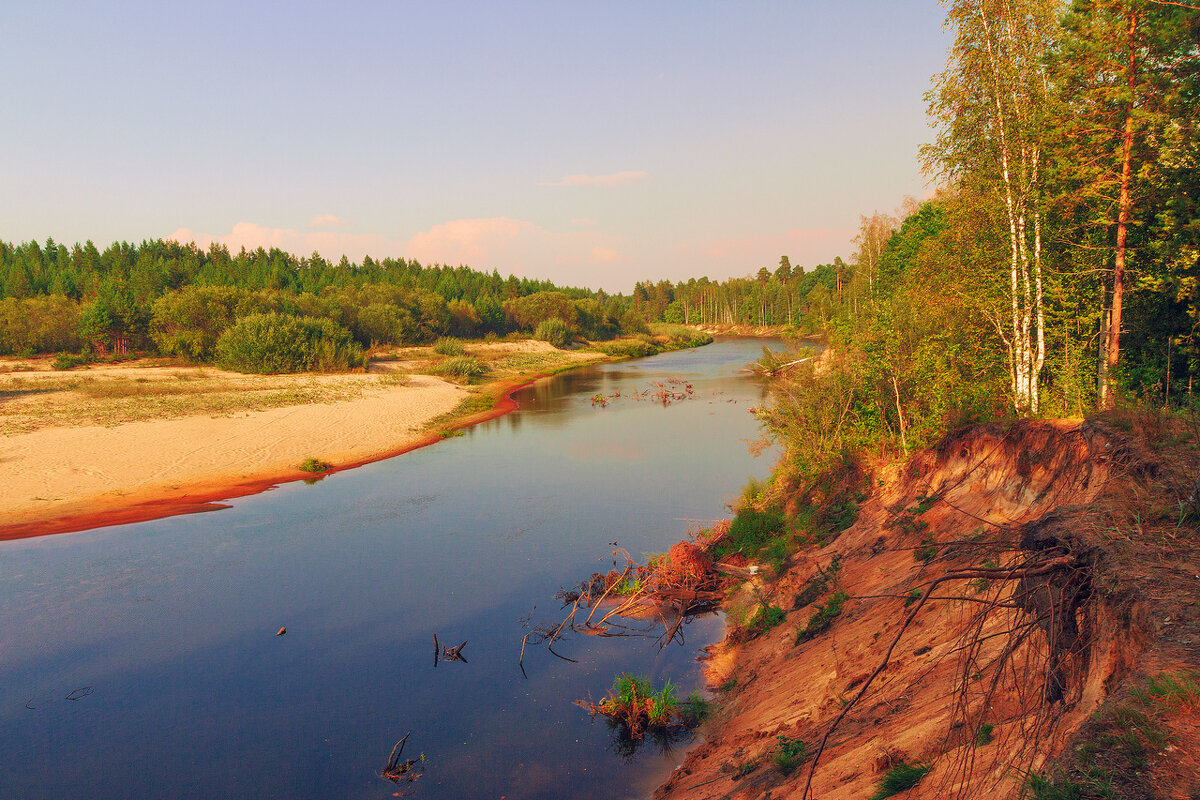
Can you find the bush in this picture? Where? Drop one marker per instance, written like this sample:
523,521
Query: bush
277,343
627,349
789,754
449,346
554,331
461,367
766,618
313,465
822,617
751,531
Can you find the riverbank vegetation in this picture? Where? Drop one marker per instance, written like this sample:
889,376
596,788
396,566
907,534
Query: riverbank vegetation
171,299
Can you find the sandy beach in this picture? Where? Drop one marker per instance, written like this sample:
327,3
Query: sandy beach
122,444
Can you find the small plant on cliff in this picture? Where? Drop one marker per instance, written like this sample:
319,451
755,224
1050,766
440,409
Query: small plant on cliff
899,778
822,617
313,465
789,754
766,618
983,736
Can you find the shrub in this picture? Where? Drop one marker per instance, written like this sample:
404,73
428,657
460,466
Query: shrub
313,465
899,778
633,703
461,367
822,617
766,618
449,346
789,754
275,343
627,349
750,532
554,331
694,710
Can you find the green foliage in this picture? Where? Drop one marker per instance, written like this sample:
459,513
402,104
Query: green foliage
449,346
766,618
633,703
278,343
313,465
899,778
39,325
627,348
1119,742
912,597
788,754
823,616
1062,786
928,550
554,331
983,736
694,710
65,361
461,368
750,532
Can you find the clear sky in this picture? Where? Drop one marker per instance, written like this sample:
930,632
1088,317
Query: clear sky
593,143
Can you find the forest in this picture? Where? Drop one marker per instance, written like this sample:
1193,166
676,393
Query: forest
177,300
1055,269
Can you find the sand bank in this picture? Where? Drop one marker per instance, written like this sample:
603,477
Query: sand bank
66,478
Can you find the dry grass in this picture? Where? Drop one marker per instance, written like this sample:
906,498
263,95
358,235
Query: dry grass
34,397
33,401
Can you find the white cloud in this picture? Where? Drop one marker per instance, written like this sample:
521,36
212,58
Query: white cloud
511,245
330,244
615,179
327,221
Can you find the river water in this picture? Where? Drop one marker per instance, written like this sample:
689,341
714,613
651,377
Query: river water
142,660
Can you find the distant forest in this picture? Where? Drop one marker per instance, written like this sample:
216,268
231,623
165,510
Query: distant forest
177,299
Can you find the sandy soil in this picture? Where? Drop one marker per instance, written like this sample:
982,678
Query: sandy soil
59,471
111,444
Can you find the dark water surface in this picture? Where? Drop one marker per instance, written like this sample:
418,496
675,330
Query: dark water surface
141,661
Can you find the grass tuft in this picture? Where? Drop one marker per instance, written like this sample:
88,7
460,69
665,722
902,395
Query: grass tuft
899,778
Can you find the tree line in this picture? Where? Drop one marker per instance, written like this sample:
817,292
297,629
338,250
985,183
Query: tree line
177,299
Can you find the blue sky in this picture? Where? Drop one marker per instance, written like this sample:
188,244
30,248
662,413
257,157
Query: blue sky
590,143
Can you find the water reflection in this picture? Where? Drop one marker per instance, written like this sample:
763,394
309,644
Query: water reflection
173,622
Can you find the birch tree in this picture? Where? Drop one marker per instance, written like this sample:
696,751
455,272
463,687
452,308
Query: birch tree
990,105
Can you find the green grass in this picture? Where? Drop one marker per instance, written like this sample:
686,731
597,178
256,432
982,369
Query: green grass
313,465
1119,742
899,778
823,616
632,702
983,736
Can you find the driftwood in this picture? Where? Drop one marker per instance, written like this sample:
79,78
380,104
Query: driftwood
637,599
441,653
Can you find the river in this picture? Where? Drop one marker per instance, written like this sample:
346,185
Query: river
142,660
